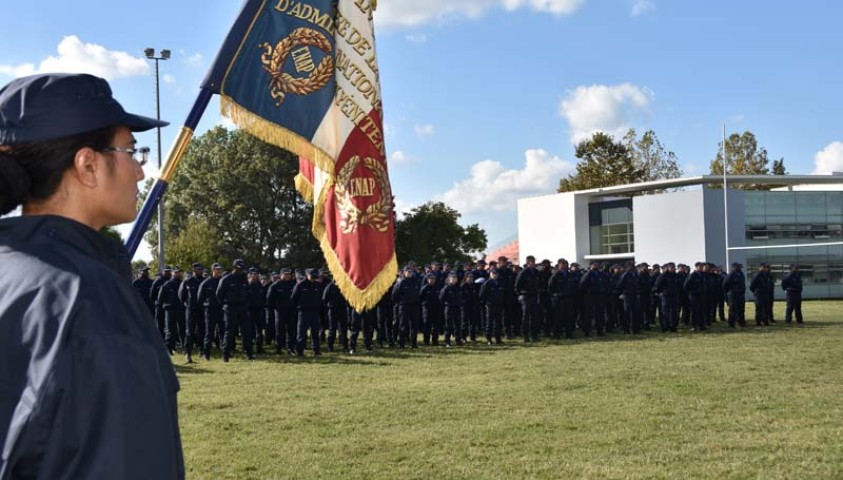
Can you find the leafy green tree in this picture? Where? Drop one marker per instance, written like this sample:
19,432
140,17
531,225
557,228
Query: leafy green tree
432,232
234,197
746,157
650,156
603,162
112,232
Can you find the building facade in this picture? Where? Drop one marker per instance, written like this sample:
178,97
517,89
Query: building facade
631,222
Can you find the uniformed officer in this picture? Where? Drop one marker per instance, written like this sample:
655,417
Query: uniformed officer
269,311
591,287
695,289
669,286
213,310
256,304
735,288
143,285
527,286
471,307
169,300
307,297
562,287
684,302
87,389
792,285
279,298
337,306
406,294
193,309
160,279
545,312
452,298
762,286
431,310
385,314
628,287
232,294
491,297
645,294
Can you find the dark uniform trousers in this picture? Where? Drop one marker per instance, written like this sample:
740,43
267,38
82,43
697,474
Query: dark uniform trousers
737,307
564,317
194,328
174,330
470,321
594,316
794,305
494,322
338,326
431,323
763,305
269,323
213,320
285,329
452,324
308,320
385,325
669,314
647,310
236,315
408,315
160,317
698,311
530,316
631,316
256,318
362,322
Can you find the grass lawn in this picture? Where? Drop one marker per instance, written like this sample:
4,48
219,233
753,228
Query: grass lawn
761,402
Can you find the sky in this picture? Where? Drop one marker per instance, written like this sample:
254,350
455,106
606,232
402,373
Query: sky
484,100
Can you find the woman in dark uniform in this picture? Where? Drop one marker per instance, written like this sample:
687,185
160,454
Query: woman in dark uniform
87,389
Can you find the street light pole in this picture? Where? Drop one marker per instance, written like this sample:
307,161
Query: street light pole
165,55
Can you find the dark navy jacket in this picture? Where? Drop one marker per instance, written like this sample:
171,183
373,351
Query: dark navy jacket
406,292
208,293
279,293
792,284
307,296
735,283
492,294
87,388
232,290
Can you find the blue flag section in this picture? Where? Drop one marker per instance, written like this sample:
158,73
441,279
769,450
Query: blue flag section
276,69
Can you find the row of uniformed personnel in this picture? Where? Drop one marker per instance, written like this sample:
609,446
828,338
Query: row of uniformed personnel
495,300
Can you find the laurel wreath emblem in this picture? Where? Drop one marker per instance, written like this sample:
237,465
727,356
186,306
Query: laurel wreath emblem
377,215
274,58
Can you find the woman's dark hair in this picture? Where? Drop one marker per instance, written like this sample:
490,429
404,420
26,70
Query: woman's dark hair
33,171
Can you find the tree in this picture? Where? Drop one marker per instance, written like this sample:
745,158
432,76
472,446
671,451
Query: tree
432,232
650,156
603,162
746,158
234,197
112,233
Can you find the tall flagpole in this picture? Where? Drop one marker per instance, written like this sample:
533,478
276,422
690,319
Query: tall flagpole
725,198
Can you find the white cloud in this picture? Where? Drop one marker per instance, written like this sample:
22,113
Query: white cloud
399,158
641,7
493,188
388,129
195,60
829,159
417,38
74,56
603,108
402,208
411,13
424,131
168,79
226,123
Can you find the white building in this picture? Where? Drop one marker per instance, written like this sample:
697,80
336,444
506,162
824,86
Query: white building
687,226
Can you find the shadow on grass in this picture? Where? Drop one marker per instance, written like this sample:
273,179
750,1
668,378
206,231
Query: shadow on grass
387,356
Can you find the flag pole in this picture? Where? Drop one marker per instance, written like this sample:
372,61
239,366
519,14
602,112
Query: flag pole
177,151
725,198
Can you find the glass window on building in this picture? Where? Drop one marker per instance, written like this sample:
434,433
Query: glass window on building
796,218
610,227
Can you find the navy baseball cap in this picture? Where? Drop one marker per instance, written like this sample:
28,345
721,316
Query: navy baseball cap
216,266
199,266
286,271
58,105
239,263
253,270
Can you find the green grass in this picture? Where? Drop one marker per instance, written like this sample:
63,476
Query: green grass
761,403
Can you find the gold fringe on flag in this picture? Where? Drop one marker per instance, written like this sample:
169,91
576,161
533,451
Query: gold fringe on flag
359,299
271,133
304,187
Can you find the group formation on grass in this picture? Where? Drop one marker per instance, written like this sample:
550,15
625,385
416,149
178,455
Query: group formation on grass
289,311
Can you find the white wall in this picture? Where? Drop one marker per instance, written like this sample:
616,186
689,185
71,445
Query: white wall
715,241
545,227
669,227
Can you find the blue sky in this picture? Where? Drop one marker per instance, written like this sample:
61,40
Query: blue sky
484,99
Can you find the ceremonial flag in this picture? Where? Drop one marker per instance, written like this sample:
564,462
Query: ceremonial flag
303,75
